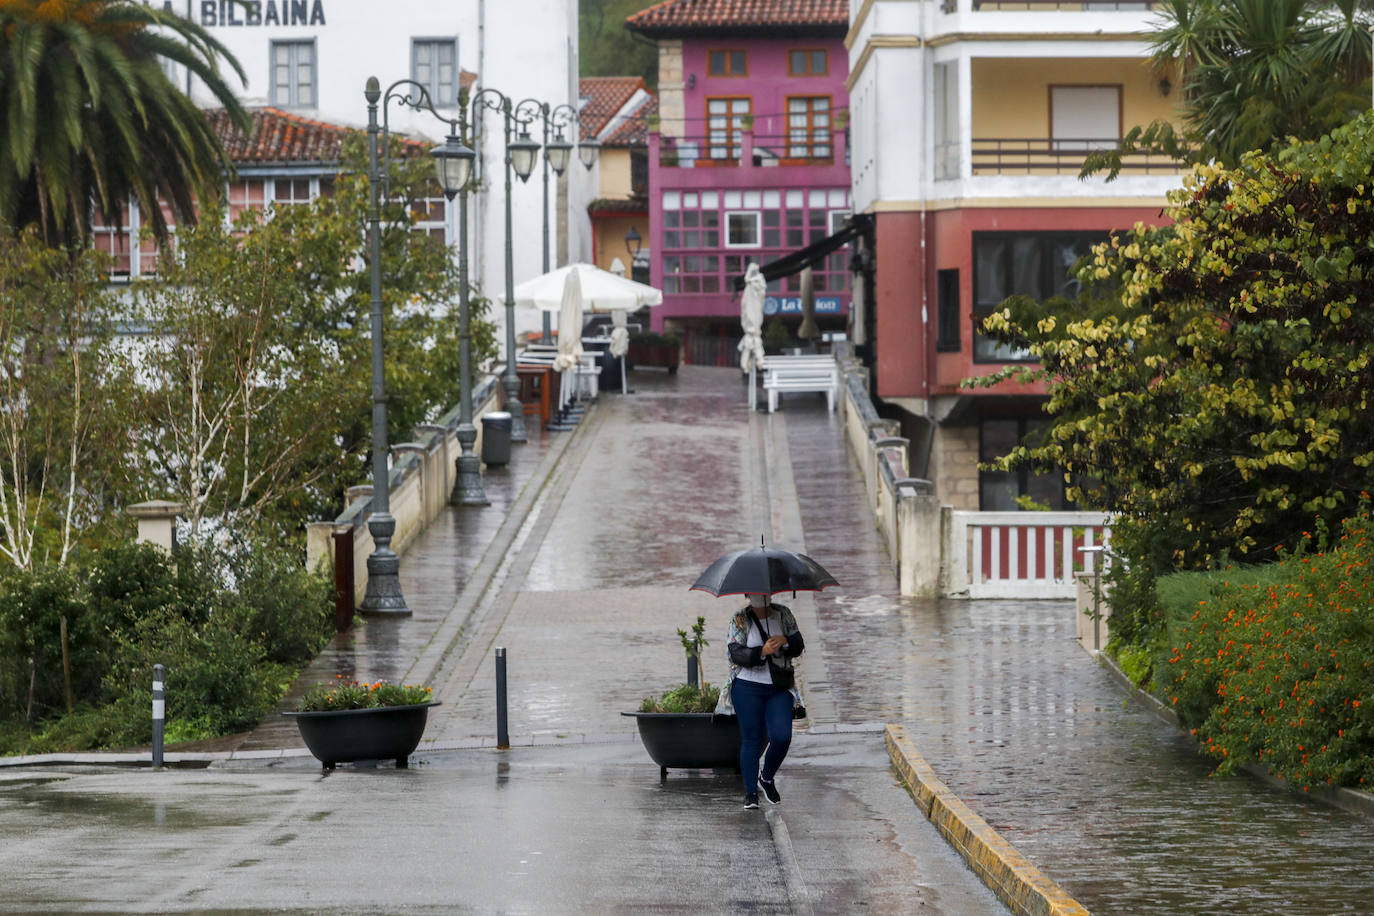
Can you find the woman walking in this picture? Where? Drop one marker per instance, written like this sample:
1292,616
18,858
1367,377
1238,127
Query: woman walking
762,691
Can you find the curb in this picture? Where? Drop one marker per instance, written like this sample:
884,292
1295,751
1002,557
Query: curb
1006,872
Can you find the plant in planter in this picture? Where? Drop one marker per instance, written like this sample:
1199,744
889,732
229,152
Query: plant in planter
649,349
347,720
775,336
680,729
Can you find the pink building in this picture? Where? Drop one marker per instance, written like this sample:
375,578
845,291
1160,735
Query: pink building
749,161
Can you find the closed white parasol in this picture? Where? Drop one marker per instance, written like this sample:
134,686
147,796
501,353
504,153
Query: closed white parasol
751,321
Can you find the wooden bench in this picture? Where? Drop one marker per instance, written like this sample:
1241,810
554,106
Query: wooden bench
800,373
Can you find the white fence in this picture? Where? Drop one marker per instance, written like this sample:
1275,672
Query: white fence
940,551
1021,554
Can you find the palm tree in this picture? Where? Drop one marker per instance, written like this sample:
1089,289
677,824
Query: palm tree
89,115
1253,73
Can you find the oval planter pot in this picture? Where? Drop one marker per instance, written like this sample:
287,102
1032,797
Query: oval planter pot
344,735
689,740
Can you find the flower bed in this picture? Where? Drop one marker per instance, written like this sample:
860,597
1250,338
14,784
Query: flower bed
1279,674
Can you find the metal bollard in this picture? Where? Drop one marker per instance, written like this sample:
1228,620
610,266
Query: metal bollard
692,671
159,714
502,731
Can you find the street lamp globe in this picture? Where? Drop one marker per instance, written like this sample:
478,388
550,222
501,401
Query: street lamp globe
523,152
558,151
452,165
587,151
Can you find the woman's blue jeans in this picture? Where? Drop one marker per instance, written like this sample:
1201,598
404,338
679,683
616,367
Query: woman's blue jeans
765,714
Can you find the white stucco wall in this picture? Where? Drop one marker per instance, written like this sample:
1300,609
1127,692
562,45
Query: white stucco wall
525,49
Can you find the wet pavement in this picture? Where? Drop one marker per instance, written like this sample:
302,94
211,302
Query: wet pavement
1111,803
580,571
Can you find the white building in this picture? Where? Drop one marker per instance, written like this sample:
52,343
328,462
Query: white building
312,58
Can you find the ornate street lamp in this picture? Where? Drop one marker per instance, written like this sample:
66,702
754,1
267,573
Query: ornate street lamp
453,162
520,156
557,153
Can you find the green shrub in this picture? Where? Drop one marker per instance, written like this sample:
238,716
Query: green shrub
683,698
33,604
1275,669
290,609
649,338
775,335
344,694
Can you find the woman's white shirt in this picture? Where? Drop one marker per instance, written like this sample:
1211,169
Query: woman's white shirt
772,625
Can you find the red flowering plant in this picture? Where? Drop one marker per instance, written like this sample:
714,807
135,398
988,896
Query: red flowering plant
1279,674
347,694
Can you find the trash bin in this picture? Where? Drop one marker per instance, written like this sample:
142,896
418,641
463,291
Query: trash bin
496,437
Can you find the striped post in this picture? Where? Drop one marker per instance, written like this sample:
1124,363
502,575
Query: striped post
159,714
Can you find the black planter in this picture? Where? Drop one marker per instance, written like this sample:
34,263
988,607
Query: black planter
689,740
344,735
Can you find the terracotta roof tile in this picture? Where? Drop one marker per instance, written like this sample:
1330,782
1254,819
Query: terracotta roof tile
279,136
605,96
692,15
634,130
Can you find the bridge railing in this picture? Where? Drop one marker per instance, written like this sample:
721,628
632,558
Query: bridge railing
938,550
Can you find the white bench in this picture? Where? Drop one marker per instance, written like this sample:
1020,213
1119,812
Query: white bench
800,373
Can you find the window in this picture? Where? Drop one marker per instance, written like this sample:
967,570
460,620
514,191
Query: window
1085,117
434,65
947,314
291,191
724,121
691,273
946,94
742,230
999,490
808,127
807,62
246,193
727,63
1034,264
293,74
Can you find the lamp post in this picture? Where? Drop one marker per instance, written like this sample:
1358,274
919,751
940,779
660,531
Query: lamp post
633,243
467,483
453,162
557,152
519,157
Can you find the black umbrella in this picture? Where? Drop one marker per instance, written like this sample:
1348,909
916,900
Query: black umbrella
763,571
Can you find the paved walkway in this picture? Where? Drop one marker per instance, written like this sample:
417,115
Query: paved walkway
580,571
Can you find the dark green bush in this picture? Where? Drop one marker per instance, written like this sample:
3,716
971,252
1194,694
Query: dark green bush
231,626
649,338
1276,670
32,607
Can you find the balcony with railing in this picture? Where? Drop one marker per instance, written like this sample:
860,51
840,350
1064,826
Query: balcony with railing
1021,6
747,149
1055,156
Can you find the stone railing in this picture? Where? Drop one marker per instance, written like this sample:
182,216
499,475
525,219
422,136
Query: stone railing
421,479
937,551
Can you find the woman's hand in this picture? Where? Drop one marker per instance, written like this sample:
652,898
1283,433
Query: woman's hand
774,645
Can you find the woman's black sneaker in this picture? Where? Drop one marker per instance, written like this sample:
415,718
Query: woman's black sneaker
770,791
751,800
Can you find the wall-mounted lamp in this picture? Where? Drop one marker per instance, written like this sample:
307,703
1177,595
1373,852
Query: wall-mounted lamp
691,81
633,242
1165,86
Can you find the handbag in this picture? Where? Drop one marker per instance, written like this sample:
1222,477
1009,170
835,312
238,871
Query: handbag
781,674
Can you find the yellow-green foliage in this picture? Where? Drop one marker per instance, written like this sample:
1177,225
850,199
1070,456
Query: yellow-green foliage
1215,379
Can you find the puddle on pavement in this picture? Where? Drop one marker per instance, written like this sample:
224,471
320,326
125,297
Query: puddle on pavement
126,811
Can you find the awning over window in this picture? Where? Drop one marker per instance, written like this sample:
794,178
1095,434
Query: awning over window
812,254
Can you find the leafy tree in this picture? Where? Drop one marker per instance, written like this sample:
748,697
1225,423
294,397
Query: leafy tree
90,114
1214,381
1253,73
607,48
63,396
257,390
